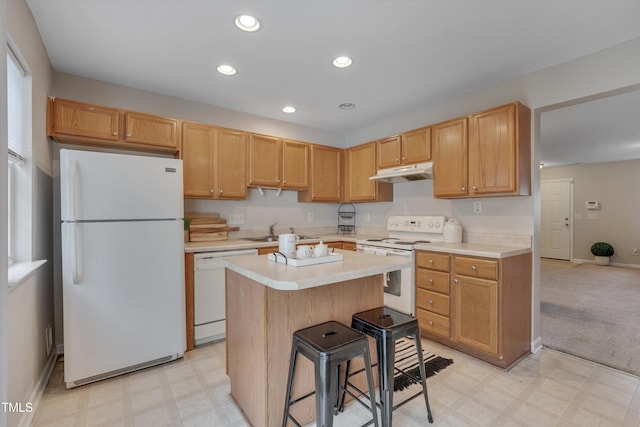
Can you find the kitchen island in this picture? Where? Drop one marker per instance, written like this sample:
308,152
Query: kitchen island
268,301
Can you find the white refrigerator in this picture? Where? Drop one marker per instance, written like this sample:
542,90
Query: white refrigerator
122,263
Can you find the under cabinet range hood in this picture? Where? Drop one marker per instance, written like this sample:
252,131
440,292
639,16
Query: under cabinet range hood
405,173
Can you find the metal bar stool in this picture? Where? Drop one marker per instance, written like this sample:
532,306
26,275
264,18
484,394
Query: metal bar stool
386,326
328,345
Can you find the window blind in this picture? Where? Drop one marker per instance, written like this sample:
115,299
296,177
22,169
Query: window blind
18,125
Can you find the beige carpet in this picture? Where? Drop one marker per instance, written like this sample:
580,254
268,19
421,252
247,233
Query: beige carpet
592,312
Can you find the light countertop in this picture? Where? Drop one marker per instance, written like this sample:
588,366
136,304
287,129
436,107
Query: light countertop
227,245
286,277
487,250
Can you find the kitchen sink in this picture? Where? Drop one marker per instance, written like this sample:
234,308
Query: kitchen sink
262,239
275,238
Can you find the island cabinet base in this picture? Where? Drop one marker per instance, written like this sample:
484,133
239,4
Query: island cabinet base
260,324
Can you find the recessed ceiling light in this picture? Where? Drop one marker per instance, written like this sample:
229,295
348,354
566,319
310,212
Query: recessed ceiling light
247,23
289,109
342,62
227,70
347,106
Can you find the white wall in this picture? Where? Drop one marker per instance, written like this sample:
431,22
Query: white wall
23,32
4,275
615,186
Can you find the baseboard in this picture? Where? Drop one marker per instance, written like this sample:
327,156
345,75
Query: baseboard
536,345
38,389
612,264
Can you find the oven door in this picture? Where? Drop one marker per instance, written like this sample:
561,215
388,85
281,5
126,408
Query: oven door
399,292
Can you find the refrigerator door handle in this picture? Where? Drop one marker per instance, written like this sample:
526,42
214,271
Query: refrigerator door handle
75,269
72,190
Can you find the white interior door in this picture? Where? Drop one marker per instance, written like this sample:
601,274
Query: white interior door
556,219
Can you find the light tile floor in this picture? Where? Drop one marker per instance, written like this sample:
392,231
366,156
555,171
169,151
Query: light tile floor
546,389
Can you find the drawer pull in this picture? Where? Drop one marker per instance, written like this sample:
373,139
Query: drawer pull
431,301
474,268
430,280
430,261
455,280
430,322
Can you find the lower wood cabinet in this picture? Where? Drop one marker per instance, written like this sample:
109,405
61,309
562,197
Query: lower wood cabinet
481,306
349,246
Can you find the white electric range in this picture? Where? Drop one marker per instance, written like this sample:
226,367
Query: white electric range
404,233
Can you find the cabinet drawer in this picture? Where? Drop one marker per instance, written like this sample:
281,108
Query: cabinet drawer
434,323
474,267
432,260
432,280
432,301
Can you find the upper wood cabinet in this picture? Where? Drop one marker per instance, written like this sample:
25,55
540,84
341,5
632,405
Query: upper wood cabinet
500,151
276,162
265,155
486,154
82,123
214,162
450,161
83,120
360,164
295,164
325,183
408,148
152,130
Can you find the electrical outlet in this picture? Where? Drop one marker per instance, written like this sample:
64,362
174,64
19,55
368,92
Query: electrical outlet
309,216
367,217
477,206
635,252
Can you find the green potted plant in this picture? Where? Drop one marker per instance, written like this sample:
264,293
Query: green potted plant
601,252
187,222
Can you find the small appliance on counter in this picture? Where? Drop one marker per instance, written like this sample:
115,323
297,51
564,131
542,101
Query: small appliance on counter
452,231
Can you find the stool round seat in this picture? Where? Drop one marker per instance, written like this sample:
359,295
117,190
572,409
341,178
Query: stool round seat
328,345
387,325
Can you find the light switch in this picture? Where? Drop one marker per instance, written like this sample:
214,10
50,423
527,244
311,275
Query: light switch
477,206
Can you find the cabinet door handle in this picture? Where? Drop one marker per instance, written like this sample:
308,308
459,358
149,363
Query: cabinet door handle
397,160
430,322
474,188
464,188
284,182
474,268
128,134
221,190
114,133
455,280
404,158
211,191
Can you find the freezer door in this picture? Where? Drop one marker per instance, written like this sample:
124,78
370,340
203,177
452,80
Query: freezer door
107,186
123,295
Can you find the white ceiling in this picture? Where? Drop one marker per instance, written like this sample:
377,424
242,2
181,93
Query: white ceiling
407,54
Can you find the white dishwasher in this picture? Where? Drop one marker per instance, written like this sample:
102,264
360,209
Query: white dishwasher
209,295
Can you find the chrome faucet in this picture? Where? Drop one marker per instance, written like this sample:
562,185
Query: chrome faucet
271,234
